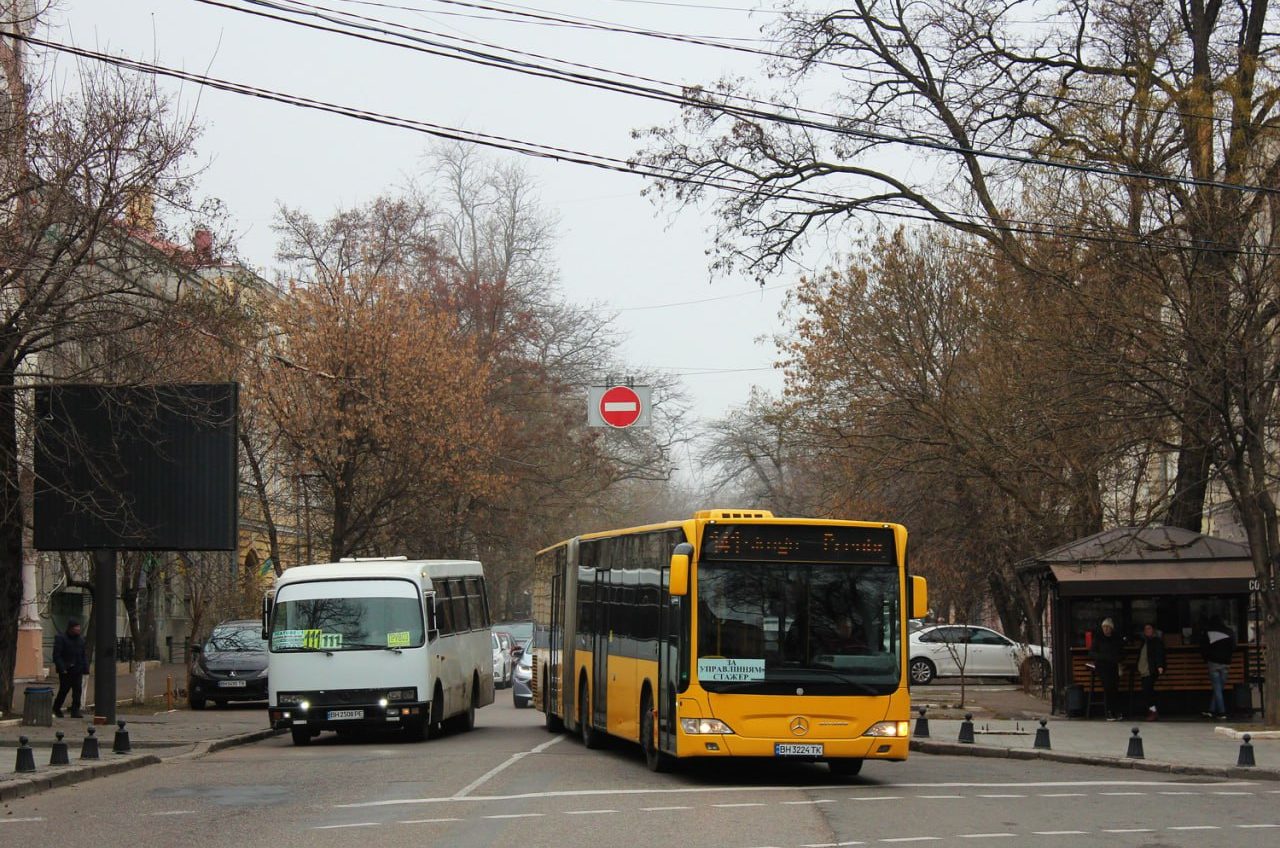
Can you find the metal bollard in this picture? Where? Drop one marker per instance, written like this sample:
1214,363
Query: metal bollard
1042,735
1135,746
26,757
121,744
89,748
58,754
922,726
1246,753
966,729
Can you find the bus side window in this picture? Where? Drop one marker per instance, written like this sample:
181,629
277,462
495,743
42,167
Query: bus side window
475,603
484,603
458,599
444,611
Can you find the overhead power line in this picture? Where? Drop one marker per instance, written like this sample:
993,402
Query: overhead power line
679,97
600,161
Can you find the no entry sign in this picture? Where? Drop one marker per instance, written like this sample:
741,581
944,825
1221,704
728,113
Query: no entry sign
618,406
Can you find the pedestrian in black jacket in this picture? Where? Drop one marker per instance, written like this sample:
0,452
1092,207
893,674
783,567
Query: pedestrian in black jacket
1217,646
1151,664
72,662
1107,648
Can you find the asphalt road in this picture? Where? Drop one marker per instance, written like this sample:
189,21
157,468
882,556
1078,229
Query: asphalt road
511,783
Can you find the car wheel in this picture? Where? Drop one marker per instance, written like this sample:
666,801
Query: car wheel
1035,671
921,671
845,768
301,735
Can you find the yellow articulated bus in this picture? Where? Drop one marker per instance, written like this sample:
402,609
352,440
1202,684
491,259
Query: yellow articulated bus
731,634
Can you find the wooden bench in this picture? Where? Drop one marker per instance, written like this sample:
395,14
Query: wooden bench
1185,670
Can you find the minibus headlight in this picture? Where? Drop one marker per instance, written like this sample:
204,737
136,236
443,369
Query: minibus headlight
889,728
410,694
288,699
699,726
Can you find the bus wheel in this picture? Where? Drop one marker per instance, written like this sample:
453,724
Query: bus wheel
301,735
845,768
654,757
591,737
553,723
435,724
467,720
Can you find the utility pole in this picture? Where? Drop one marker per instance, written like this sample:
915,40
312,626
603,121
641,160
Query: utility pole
18,16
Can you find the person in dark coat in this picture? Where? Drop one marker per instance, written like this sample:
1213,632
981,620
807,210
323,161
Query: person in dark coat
71,660
1107,648
1217,646
1151,664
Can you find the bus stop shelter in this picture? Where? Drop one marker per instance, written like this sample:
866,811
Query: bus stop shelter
1172,578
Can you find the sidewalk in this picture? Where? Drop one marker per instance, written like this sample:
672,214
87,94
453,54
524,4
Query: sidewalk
124,687
1006,718
154,737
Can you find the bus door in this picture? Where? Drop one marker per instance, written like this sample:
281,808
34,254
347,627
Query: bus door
600,650
555,641
669,646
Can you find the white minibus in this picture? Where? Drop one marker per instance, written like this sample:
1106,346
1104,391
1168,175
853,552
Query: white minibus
384,642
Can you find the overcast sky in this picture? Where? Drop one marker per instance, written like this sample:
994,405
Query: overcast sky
615,247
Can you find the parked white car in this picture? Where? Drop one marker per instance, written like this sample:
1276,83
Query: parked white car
501,664
940,651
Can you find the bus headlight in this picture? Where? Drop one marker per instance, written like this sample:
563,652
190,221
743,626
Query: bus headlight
698,726
410,694
889,728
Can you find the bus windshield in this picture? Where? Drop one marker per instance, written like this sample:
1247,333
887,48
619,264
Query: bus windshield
798,628
357,615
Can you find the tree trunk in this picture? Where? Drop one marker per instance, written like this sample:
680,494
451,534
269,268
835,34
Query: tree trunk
10,536
264,502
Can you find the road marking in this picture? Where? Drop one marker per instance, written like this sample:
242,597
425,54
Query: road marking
1002,796
1062,794
1233,793
587,812
1059,832
912,839
818,801
875,798
427,821
982,835
662,809
1117,794
28,819
691,790
1180,793
172,813
728,806
341,826
1194,827
513,759
1252,826
516,816
939,797
1128,830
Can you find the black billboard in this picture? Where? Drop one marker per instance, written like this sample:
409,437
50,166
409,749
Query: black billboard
136,467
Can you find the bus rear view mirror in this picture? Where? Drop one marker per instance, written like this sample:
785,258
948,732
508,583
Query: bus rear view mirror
919,597
679,584
266,615
433,630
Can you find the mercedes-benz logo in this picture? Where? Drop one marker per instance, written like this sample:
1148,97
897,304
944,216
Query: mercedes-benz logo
799,725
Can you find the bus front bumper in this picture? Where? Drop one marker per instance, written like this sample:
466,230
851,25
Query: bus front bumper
812,750
347,715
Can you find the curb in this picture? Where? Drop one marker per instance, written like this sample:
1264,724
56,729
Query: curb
928,746
24,787
34,785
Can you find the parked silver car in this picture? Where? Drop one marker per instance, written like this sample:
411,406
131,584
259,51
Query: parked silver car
521,693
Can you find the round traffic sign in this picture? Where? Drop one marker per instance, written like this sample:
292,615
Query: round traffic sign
620,407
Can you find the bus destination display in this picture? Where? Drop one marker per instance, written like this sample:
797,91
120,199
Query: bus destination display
798,543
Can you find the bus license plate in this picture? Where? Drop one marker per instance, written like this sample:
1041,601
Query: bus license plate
790,749
336,715
231,684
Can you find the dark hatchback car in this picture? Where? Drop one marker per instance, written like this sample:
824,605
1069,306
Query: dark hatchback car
230,666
